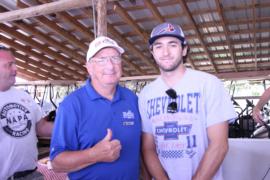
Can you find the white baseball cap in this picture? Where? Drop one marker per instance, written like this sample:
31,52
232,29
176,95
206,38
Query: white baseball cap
100,43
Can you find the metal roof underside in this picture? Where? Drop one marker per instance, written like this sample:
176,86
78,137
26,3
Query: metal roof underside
228,38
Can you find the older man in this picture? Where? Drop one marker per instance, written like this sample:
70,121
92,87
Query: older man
97,129
20,121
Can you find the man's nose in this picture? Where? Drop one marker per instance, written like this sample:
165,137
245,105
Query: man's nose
109,63
165,50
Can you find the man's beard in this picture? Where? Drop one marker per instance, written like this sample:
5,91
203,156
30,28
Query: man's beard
172,68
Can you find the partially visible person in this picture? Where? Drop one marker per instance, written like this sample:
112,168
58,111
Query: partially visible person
256,112
98,127
21,121
184,113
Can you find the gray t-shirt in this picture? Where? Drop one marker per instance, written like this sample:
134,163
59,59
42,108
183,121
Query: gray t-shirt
181,137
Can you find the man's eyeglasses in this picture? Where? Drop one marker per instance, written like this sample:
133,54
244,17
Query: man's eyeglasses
103,60
172,106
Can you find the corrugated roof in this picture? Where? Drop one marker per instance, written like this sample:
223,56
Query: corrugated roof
228,38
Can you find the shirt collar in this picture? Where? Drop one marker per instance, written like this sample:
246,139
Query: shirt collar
93,94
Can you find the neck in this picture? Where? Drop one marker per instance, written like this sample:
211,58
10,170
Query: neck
106,91
173,77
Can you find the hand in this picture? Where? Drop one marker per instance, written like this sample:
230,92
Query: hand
256,114
107,150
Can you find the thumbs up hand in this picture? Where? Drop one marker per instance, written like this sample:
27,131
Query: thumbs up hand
107,150
108,136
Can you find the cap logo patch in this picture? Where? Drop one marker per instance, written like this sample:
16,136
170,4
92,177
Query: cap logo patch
170,28
105,41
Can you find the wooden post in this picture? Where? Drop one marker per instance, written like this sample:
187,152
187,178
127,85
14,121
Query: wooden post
101,17
48,8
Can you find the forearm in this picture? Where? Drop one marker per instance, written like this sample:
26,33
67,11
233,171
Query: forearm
106,150
263,99
211,162
69,161
44,128
144,173
154,166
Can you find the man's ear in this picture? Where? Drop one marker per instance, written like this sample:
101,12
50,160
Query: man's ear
88,67
151,50
185,50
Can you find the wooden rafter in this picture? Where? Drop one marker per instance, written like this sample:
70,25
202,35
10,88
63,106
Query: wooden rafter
227,36
126,17
44,9
150,5
54,45
239,42
129,46
254,34
26,72
26,76
75,24
41,66
160,19
45,60
48,40
42,48
102,18
134,50
56,28
196,29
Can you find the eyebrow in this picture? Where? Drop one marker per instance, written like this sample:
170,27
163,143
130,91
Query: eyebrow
170,42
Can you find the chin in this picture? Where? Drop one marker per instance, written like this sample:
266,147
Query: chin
111,81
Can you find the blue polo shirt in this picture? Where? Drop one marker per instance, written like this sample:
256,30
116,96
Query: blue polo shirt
81,122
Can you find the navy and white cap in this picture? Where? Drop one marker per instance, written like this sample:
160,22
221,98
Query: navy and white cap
167,29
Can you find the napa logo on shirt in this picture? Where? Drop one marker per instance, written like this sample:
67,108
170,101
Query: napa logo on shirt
171,130
15,120
128,118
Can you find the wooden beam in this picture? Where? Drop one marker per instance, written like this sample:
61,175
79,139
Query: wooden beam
40,66
64,17
196,29
42,48
205,60
44,9
226,32
245,66
129,46
134,66
30,73
50,41
25,76
237,42
55,28
126,17
101,18
254,34
227,76
52,82
244,75
45,60
160,19
36,70
150,5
